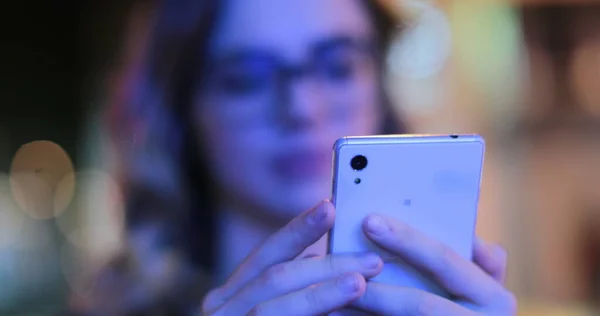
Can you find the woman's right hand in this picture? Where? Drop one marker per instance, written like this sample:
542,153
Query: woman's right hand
270,282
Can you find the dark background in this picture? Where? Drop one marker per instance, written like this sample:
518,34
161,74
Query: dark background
54,54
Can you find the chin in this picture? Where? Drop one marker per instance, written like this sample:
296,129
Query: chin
297,199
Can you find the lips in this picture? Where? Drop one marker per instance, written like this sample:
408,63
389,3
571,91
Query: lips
302,165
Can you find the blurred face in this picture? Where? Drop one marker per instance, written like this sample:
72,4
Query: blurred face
286,79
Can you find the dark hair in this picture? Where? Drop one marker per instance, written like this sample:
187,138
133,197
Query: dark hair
181,37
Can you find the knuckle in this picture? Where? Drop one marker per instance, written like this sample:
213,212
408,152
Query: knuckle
313,298
332,264
308,256
275,277
256,310
500,255
296,234
499,263
398,230
211,301
447,259
403,235
426,305
218,312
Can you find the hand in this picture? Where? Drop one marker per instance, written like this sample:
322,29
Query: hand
270,282
491,258
476,285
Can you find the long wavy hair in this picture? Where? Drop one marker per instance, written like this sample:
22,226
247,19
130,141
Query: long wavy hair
164,173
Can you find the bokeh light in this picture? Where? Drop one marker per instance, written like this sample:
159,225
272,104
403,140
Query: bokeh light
417,62
423,48
524,74
94,230
80,269
95,220
490,49
11,219
36,171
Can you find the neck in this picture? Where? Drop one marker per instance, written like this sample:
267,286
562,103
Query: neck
239,233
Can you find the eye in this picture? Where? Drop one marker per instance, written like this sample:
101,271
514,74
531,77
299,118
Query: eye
341,64
243,82
246,76
341,69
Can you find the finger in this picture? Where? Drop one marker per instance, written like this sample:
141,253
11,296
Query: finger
291,276
457,275
321,299
308,256
284,245
382,299
491,258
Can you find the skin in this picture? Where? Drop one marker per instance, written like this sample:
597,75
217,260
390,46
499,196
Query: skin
269,281
309,120
269,273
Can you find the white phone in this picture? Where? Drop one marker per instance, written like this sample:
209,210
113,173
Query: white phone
430,182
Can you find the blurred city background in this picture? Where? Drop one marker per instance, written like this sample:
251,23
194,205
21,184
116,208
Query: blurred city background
524,74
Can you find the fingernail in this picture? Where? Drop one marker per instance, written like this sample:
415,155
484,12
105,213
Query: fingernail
318,214
371,260
348,283
376,225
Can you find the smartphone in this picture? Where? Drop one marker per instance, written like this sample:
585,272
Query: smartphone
430,182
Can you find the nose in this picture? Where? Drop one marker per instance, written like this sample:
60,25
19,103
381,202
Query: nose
302,104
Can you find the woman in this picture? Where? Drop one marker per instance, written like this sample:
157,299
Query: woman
256,92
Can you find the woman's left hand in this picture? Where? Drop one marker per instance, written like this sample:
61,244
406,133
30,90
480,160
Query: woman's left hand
477,285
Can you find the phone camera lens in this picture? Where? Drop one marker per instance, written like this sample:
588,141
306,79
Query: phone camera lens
358,163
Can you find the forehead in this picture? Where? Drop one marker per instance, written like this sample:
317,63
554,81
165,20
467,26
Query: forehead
288,26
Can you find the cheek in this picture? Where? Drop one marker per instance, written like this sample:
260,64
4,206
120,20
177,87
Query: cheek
358,109
235,159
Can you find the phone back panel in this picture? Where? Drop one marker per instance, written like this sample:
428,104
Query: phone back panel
429,182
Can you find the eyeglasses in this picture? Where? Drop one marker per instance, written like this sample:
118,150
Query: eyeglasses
256,74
